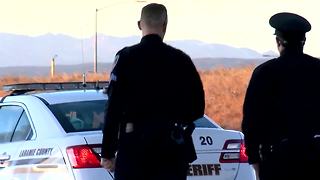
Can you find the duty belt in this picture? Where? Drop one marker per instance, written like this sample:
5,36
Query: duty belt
287,145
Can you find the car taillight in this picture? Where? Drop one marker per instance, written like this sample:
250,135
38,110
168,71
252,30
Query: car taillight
83,157
237,152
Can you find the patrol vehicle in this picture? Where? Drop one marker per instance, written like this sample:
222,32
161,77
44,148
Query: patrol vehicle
52,131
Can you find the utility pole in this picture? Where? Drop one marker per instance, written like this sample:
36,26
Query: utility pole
95,58
53,66
95,63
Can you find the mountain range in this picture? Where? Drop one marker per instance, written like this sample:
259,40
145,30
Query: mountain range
20,51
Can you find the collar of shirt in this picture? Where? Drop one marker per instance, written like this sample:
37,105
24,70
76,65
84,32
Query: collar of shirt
151,38
291,54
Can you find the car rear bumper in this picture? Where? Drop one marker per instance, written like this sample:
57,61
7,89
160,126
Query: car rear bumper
92,173
245,171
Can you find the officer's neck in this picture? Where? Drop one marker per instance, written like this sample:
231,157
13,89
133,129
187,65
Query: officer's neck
153,31
291,50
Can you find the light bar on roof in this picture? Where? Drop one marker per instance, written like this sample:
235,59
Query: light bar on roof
55,86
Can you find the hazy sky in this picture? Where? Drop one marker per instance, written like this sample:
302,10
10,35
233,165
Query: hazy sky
239,23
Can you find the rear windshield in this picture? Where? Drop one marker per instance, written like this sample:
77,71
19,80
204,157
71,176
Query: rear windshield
204,123
80,116
89,116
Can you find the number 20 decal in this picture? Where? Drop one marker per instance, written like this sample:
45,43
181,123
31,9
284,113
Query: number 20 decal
206,140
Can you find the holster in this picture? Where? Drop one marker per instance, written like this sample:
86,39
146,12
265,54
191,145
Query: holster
181,135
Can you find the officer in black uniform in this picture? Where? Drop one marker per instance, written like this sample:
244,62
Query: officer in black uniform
281,113
155,94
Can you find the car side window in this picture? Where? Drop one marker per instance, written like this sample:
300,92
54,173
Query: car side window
23,130
9,117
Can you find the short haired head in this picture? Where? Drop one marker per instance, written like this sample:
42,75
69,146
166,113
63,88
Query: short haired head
154,15
290,28
153,19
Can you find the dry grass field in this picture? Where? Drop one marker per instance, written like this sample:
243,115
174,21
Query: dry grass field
224,88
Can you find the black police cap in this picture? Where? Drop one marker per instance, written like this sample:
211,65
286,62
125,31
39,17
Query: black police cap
286,22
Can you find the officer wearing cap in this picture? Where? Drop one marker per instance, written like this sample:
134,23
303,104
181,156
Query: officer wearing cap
281,119
155,94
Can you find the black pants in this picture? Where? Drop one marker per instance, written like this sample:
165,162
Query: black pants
149,159
289,171
291,165
128,168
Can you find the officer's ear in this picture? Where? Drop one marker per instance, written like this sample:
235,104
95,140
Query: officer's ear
139,25
281,42
303,41
164,26
278,41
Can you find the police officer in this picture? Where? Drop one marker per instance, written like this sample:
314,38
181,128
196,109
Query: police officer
155,94
281,119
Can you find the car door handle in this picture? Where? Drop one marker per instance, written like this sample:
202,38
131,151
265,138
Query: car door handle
46,166
4,157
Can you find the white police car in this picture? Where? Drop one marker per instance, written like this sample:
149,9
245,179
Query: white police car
56,134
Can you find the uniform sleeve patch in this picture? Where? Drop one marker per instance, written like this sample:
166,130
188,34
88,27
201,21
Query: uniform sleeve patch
116,58
113,77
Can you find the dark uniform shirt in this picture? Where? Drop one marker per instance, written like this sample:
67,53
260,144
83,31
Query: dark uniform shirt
153,85
282,99
282,107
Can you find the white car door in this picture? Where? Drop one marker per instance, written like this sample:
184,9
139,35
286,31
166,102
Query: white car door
13,132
